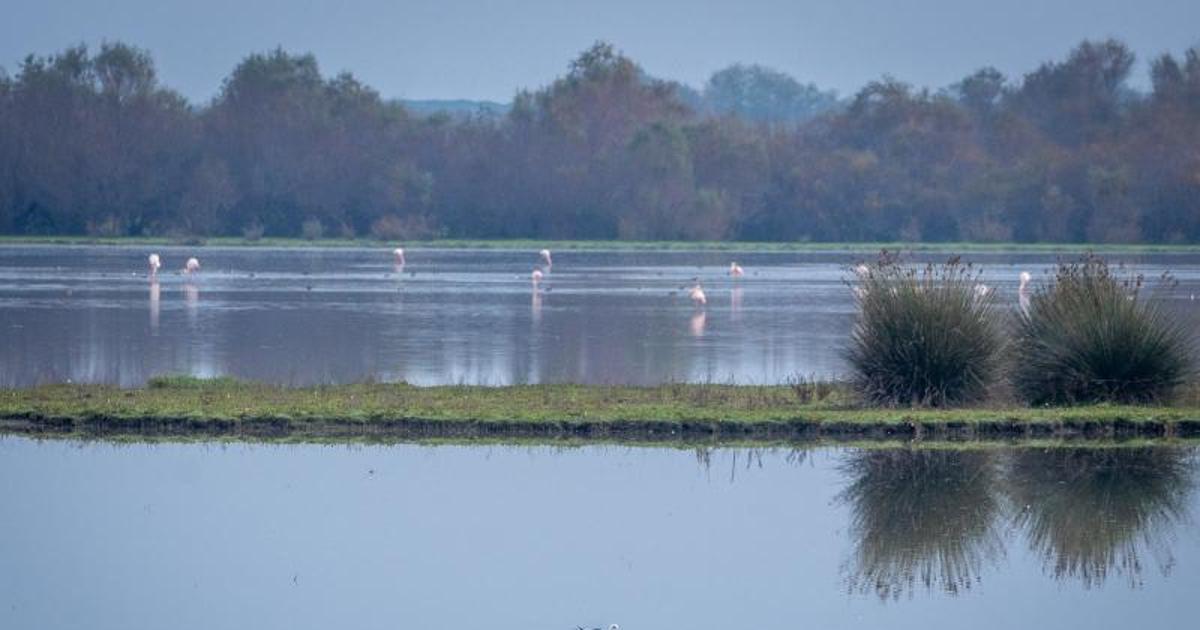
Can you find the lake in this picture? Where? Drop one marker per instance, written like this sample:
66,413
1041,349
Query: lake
305,316
129,536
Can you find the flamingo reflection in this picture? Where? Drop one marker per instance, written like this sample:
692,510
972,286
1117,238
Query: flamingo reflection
155,295
536,306
696,325
191,298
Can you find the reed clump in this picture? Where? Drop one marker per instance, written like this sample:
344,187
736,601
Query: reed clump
1093,336
924,336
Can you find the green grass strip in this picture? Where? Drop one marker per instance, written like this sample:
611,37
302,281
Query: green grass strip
226,408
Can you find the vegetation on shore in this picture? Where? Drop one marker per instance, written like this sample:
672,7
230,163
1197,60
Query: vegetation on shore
1091,336
226,407
92,142
929,337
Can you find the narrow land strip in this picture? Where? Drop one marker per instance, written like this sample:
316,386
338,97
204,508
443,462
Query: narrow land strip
673,413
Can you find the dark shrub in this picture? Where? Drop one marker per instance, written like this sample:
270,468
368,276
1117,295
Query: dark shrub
923,337
410,227
253,231
312,229
1093,337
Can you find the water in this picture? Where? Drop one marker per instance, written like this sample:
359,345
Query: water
183,536
88,314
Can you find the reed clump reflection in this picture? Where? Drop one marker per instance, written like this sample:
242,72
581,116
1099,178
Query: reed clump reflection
935,519
1092,513
921,518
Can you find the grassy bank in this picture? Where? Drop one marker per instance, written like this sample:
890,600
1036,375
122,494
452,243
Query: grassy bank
530,244
667,413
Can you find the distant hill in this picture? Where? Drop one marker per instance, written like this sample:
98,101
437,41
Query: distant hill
455,107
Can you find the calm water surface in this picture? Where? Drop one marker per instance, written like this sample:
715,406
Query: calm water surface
88,314
126,537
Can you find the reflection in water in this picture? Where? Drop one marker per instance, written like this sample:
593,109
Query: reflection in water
1092,512
155,295
191,297
929,517
696,324
735,303
536,306
921,518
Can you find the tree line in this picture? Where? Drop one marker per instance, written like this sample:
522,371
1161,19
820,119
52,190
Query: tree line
93,143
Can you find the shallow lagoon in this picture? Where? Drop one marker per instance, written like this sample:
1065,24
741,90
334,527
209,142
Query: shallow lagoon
103,535
303,316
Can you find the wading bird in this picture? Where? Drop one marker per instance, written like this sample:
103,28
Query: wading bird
860,272
155,263
697,295
192,266
735,270
545,254
1023,291
398,253
536,276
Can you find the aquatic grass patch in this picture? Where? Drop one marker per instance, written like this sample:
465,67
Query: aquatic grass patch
186,381
1093,335
924,336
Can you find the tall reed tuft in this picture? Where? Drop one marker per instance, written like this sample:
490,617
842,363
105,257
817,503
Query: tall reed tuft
924,336
1092,336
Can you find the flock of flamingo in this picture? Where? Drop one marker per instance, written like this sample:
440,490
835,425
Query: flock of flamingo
190,267
695,293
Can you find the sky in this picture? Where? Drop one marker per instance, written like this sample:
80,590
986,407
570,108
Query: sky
484,49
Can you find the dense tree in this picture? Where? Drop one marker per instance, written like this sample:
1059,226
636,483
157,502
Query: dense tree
92,143
764,95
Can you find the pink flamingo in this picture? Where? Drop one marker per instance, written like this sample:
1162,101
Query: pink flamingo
736,270
399,255
536,276
192,266
154,263
697,295
545,254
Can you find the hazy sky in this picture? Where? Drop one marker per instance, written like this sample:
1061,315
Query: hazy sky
486,49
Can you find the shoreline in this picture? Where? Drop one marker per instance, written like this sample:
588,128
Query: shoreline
602,245
679,414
